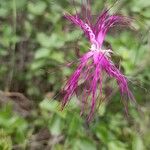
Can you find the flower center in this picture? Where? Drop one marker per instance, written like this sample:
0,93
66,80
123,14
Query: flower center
106,52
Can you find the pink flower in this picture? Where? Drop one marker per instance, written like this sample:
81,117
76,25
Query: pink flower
96,61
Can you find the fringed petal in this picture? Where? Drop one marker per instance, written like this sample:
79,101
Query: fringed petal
92,64
105,21
122,81
78,22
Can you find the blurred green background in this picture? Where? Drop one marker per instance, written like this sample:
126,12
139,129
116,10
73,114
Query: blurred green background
36,43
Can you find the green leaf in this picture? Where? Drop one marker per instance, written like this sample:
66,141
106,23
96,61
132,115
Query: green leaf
43,40
53,41
37,64
137,6
116,145
102,109
37,8
146,13
3,12
52,106
42,53
84,144
75,125
137,143
103,133
5,141
55,126
58,56
72,36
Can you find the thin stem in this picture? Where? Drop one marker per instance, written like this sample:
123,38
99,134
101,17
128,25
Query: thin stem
13,47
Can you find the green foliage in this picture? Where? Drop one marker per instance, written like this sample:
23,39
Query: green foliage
13,125
36,43
5,141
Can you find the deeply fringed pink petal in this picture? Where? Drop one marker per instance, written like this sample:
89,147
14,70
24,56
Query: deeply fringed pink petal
75,19
92,64
73,82
122,81
105,21
92,72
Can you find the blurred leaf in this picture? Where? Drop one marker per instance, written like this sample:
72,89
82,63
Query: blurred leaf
37,8
74,35
103,134
74,126
52,106
42,53
10,122
146,13
116,145
59,57
102,109
55,126
84,144
53,41
20,4
5,141
37,65
3,12
43,39
137,143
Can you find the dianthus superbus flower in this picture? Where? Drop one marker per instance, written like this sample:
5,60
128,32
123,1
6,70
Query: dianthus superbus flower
96,61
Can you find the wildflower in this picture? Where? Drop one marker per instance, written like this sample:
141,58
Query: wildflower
96,61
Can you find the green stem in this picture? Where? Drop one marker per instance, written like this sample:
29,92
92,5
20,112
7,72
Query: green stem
13,47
